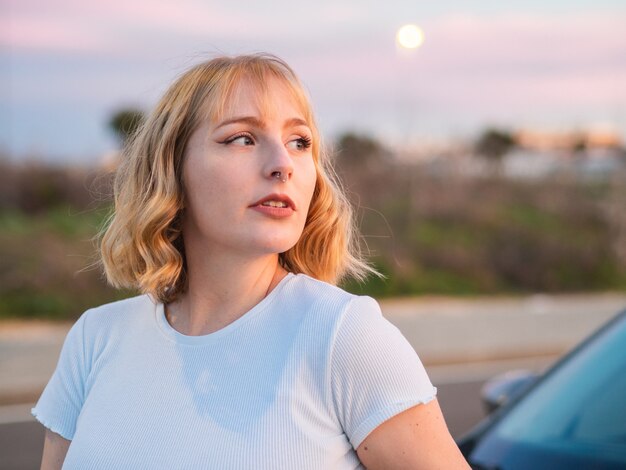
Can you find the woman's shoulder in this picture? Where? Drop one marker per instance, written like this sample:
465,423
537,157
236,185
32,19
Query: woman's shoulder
124,307
108,324
117,315
330,300
309,289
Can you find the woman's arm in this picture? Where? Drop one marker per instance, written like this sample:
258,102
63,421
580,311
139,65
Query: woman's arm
417,438
54,451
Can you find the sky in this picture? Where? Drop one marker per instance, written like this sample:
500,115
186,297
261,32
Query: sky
67,65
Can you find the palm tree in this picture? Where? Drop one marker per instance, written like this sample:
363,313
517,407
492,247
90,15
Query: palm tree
124,123
493,145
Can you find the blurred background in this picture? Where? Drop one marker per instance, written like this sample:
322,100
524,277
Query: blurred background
484,148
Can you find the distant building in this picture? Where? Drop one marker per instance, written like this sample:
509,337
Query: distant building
568,141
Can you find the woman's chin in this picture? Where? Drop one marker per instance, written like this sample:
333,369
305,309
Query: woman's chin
277,246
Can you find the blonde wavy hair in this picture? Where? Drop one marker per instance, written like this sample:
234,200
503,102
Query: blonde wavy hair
141,245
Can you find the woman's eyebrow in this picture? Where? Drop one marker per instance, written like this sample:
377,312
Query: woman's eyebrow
254,121
294,122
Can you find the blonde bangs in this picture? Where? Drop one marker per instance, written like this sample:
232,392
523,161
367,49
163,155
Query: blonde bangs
257,75
141,245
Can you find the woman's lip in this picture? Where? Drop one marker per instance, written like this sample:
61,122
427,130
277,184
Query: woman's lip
276,197
274,212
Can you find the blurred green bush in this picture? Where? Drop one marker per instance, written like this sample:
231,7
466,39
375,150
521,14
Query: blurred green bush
442,232
428,233
48,218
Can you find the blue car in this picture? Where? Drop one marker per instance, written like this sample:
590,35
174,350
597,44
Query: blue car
572,417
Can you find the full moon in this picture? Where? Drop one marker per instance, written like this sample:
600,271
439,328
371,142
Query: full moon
410,36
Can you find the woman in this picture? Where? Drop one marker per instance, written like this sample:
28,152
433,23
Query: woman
241,352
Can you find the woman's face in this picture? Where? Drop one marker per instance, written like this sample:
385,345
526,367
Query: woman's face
249,178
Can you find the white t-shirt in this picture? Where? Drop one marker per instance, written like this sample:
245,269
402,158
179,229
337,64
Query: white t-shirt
297,382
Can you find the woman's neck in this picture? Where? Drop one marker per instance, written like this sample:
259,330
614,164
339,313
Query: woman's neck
221,291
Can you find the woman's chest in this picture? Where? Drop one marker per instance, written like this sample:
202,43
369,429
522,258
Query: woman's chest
208,410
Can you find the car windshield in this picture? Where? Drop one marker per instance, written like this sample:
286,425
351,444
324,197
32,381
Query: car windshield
575,418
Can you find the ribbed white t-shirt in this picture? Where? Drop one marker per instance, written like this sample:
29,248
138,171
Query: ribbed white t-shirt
297,382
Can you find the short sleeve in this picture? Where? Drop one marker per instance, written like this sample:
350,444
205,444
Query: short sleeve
375,373
62,399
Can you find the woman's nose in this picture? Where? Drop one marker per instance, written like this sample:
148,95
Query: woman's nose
279,163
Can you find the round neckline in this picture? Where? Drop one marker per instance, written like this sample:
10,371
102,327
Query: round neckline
174,335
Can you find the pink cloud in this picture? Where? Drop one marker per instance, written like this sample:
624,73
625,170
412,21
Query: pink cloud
41,34
73,24
517,61
523,61
493,42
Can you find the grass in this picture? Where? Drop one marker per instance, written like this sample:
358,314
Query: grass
46,257
465,238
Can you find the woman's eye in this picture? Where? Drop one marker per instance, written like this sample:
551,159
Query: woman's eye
299,144
241,140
